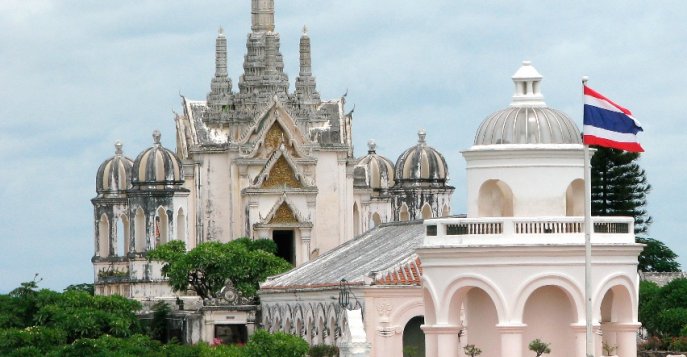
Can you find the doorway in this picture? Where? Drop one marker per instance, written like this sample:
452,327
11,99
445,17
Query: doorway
285,245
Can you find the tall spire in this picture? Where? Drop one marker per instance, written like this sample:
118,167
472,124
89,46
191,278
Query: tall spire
220,86
262,15
305,82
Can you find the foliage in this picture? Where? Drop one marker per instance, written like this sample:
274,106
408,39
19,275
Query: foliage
653,343
41,339
678,344
262,343
88,288
472,351
608,348
619,186
158,326
208,267
663,311
323,350
656,257
539,347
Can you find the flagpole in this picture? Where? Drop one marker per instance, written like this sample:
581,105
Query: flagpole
588,244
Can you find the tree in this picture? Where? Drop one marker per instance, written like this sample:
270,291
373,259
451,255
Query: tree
539,347
656,257
206,268
619,186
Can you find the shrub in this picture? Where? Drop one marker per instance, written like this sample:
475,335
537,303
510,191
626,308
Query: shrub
262,343
539,347
323,351
472,351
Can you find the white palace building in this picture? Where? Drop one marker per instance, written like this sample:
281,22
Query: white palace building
380,265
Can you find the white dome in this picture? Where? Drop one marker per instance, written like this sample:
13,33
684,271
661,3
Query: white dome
528,120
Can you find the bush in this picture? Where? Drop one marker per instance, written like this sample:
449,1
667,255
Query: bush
678,344
262,343
671,321
323,351
42,339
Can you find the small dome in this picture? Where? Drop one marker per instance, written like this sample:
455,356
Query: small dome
421,163
379,171
157,166
114,174
528,120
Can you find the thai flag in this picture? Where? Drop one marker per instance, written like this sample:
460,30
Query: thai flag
608,124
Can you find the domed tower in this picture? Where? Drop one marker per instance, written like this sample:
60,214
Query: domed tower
158,205
110,206
523,138
421,191
373,175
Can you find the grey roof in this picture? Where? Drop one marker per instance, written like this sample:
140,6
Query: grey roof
380,249
528,125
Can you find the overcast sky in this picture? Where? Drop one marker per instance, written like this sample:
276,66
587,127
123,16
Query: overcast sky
75,76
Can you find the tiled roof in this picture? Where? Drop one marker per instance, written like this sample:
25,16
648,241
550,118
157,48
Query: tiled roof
387,250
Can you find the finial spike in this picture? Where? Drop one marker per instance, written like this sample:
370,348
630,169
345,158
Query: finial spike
421,134
371,146
305,30
156,137
118,147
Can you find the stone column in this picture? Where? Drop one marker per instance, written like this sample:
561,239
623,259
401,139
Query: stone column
625,337
580,331
441,340
511,339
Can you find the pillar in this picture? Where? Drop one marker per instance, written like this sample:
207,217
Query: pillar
511,339
441,340
580,331
625,337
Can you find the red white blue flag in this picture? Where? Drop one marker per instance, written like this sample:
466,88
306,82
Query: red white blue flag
608,124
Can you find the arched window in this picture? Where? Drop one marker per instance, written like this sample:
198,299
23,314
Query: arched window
356,220
403,214
413,337
495,199
161,227
181,225
140,231
445,212
426,211
122,236
574,198
103,236
376,220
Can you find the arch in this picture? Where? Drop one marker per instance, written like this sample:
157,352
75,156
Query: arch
140,231
403,214
572,291
376,219
456,291
103,236
622,300
356,220
430,310
574,198
161,226
413,336
426,211
548,314
480,319
181,225
495,199
122,236
267,318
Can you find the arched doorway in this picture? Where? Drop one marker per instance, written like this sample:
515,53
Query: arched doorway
548,314
414,338
480,323
495,199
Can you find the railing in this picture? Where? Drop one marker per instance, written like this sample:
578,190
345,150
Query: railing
567,229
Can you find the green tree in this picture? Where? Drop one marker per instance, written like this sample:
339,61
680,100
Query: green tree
539,347
656,257
620,187
262,343
206,268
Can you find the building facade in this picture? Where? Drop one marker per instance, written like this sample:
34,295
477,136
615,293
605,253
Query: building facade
258,161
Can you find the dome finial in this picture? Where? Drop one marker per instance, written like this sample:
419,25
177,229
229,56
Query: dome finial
527,87
371,146
421,134
305,30
156,137
118,148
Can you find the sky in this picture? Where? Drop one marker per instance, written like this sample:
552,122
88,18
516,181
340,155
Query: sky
75,76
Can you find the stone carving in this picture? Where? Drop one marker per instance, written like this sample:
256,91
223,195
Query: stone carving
284,214
281,175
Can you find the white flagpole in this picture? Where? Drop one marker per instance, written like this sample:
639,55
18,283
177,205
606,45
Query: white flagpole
588,244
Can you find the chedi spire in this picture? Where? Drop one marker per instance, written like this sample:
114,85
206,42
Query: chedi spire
305,82
220,86
262,12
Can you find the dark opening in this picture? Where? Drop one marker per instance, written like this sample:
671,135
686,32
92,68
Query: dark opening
285,245
231,334
414,338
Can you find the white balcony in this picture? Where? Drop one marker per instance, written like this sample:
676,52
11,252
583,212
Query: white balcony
526,230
